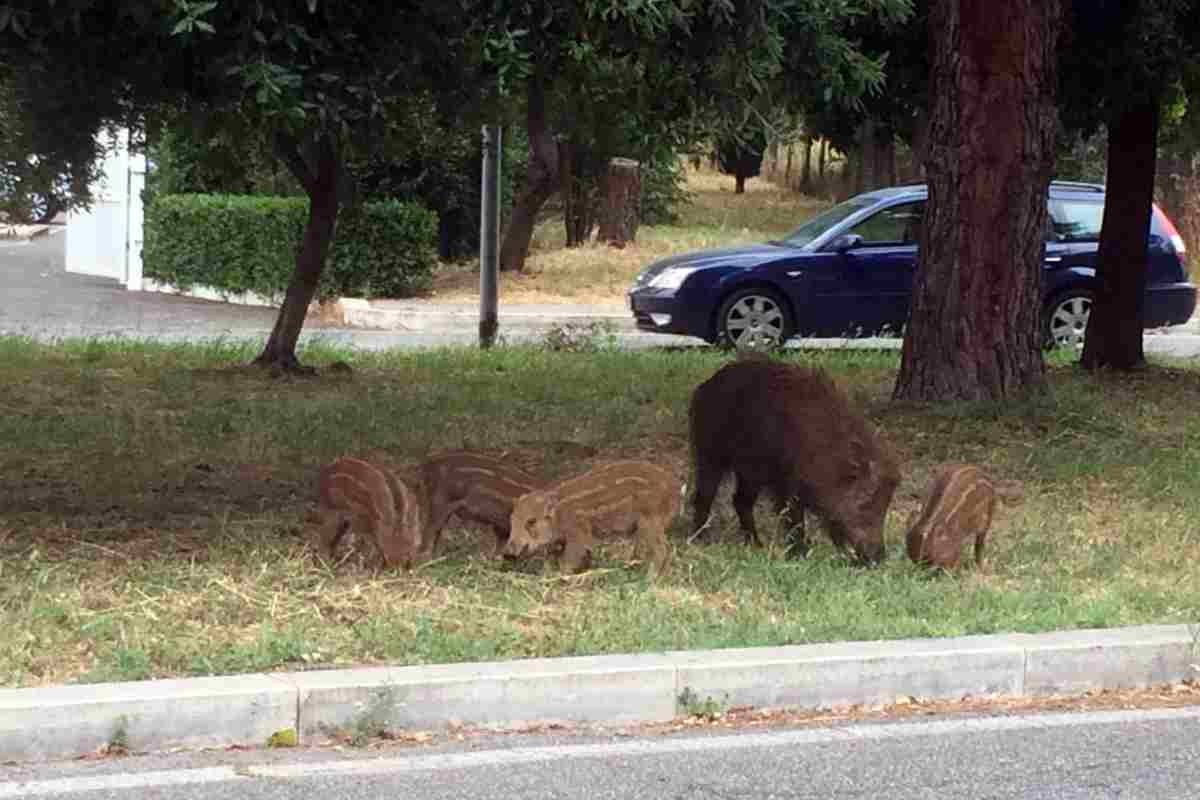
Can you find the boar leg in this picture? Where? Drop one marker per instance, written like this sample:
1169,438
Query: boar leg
744,498
652,540
577,554
791,510
333,526
708,480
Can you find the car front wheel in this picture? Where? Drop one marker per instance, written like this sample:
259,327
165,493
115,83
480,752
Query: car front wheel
754,319
1067,317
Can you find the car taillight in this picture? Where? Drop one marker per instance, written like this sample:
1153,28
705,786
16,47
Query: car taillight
1172,232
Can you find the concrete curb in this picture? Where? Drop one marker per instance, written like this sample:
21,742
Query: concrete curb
246,709
21,232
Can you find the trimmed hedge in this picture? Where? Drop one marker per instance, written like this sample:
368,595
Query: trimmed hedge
240,243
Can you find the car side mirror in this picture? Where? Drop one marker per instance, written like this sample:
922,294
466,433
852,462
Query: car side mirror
847,241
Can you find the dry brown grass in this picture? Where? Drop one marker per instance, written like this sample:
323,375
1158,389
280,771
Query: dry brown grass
596,273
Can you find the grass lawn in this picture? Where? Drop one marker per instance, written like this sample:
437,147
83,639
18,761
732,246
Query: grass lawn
154,498
597,273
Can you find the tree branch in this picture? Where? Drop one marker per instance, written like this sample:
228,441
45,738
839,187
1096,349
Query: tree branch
287,150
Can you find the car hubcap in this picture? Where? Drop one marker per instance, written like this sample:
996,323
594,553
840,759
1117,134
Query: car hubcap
1069,321
754,321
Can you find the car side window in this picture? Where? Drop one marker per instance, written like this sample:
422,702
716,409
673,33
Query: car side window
1076,220
895,225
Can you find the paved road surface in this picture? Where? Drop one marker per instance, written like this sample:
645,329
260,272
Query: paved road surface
1093,756
39,298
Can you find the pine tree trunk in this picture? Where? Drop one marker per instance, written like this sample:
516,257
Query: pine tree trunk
321,185
622,191
974,329
739,184
541,181
1114,331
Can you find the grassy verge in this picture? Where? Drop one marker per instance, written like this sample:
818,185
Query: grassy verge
153,502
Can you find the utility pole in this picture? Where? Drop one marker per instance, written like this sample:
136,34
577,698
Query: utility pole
489,238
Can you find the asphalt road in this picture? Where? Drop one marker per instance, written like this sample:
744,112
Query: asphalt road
39,298
1151,754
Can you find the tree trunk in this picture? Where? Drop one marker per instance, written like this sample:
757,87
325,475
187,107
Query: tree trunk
1114,331
974,329
739,184
885,156
541,181
578,195
622,193
868,157
320,181
823,159
787,171
920,144
806,167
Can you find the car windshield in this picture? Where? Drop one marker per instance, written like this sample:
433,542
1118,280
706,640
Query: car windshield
816,226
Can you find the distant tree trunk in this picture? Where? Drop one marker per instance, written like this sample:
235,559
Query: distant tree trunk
320,181
578,193
974,331
1114,331
920,144
885,156
541,180
739,184
622,192
823,159
787,172
868,157
806,167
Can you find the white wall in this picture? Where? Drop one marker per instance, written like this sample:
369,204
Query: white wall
106,240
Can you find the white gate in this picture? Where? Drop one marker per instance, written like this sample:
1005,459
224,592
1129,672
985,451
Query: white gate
106,240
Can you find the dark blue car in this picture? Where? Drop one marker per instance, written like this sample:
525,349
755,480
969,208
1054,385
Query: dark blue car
849,272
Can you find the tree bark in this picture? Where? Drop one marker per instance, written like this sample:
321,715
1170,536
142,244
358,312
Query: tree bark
823,159
1114,331
974,329
578,193
320,182
622,190
541,181
806,166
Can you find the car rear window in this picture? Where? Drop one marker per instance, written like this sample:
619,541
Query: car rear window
1075,220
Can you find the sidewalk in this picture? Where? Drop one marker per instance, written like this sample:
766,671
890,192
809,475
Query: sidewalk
431,316
246,710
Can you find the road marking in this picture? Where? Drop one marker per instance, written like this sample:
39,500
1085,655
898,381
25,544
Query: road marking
125,780
442,762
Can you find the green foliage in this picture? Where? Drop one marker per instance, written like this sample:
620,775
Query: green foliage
240,243
189,158
707,709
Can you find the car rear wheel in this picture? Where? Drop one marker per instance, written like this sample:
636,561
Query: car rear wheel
754,319
1067,317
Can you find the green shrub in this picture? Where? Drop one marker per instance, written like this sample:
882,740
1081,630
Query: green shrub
239,243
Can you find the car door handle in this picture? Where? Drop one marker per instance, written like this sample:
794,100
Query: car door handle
1048,259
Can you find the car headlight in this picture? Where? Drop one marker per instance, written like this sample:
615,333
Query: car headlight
671,278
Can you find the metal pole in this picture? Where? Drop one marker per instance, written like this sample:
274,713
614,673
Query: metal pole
489,238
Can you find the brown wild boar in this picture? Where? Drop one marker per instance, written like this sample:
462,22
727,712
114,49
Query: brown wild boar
370,500
476,487
791,431
958,508
619,498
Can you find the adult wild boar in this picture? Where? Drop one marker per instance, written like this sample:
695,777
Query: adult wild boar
790,430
